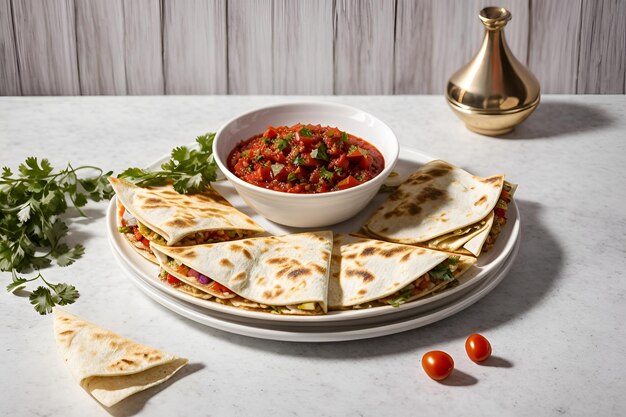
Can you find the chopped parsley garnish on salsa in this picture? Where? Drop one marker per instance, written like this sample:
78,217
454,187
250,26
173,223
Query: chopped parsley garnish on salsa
305,159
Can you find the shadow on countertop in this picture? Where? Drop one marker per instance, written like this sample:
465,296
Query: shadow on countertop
135,403
561,118
532,276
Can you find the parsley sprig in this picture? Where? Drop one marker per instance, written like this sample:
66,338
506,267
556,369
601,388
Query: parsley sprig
31,229
190,170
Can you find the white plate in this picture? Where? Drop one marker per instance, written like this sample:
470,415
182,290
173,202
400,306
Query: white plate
328,332
408,162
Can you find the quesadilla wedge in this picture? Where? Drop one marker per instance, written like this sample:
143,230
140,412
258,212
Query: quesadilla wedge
163,216
109,366
369,273
277,274
443,207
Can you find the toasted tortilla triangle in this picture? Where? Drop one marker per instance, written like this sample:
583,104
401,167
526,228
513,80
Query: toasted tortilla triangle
440,206
107,365
175,216
287,270
365,270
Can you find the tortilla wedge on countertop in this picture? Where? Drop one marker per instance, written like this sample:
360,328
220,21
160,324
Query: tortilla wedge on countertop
443,207
108,366
368,273
278,274
162,215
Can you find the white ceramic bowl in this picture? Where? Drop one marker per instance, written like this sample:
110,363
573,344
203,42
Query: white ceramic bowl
307,210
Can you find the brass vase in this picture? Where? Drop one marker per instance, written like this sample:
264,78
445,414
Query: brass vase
494,92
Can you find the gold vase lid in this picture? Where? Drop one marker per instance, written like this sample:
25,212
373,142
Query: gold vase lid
494,82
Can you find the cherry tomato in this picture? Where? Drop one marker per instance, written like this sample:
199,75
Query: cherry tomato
437,364
478,348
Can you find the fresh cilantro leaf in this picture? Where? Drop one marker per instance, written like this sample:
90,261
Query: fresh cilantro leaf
326,174
180,153
306,132
442,272
42,299
344,137
31,168
24,213
190,170
64,294
17,284
31,205
282,144
298,160
338,170
402,298
320,152
133,173
80,200
69,256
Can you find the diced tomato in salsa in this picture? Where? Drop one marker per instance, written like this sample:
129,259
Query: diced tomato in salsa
305,159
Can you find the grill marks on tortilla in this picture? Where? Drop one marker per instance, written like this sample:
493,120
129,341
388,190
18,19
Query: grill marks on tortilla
386,253
181,223
239,248
413,208
226,263
299,272
187,208
274,292
496,180
481,200
365,275
240,276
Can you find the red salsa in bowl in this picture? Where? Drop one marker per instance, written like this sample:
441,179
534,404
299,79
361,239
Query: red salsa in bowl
305,159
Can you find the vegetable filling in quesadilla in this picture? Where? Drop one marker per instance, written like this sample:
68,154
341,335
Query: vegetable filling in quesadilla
165,217
145,235
220,294
500,213
276,274
441,276
369,273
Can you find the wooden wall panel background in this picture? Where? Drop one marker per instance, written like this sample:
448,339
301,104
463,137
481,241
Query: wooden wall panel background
100,46
553,49
45,41
303,53
250,61
364,46
194,47
71,47
143,47
602,60
9,75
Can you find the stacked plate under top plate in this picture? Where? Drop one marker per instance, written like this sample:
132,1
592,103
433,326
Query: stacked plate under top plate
490,269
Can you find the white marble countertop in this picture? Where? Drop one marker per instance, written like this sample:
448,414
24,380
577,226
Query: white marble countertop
556,321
